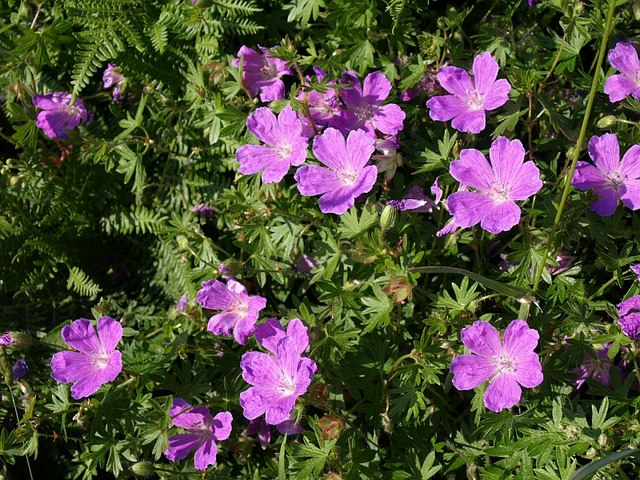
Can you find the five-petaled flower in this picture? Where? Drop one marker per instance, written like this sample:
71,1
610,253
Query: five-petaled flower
279,377
610,178
95,363
239,310
629,317
58,116
285,145
261,73
624,58
363,106
113,78
469,98
346,175
203,429
497,186
507,365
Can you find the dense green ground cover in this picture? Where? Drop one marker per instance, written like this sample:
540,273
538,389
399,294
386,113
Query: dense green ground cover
121,207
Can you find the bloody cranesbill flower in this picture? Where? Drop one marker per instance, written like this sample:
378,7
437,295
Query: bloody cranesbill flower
507,365
624,58
363,106
390,158
323,105
95,363
598,367
279,377
261,73
497,185
7,340
203,429
610,178
285,145
204,210
239,310
629,317
113,78
414,200
20,369
260,427
346,175
58,116
469,98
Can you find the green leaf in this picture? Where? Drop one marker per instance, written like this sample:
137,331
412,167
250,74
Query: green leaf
593,467
377,311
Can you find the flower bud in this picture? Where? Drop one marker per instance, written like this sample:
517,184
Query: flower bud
331,427
16,340
388,217
606,122
143,468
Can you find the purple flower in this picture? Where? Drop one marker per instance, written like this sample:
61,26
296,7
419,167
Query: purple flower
7,340
610,178
58,117
598,368
305,264
565,262
285,144
347,175
507,366
95,363
498,184
204,430
414,200
427,84
261,73
113,78
436,190
323,106
636,269
204,210
624,58
629,317
239,310
182,303
260,427
364,106
20,369
279,377
469,98
390,159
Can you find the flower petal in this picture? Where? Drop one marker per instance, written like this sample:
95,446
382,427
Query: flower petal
473,170
330,149
605,152
630,165
624,58
607,203
469,208
630,194
376,88
519,339
205,454
181,445
503,392
528,370
497,96
587,177
482,339
501,217
456,81
222,425
342,198
109,333
469,371
506,159
443,108
473,121
359,147
619,87
315,180
388,119
81,335
485,72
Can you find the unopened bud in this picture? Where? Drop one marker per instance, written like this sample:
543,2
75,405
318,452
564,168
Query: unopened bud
331,427
16,340
388,217
143,468
606,122
14,180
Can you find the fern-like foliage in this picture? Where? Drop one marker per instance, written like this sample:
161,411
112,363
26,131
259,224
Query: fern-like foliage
81,283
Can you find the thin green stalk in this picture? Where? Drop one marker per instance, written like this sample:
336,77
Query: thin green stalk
578,147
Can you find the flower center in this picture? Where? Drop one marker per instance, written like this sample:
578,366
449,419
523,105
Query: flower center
499,192
347,176
504,363
241,307
101,360
614,179
287,384
474,101
284,150
268,71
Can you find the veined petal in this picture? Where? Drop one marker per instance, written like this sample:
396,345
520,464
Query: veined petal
624,58
472,121
607,203
388,119
376,88
342,198
268,334
469,208
473,170
506,159
605,152
456,81
359,147
81,335
503,392
109,333
263,124
443,108
272,90
222,425
299,335
222,323
280,410
205,454
519,339
587,177
214,295
630,193
315,180
497,96
485,72
526,182
482,339
352,96
181,445
70,366
630,165
619,87
469,371
330,149
528,370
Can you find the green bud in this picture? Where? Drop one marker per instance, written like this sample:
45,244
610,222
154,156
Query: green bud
16,340
388,217
143,468
606,122
183,243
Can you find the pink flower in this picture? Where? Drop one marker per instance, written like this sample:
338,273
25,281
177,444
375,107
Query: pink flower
279,377
469,98
624,58
58,116
203,429
598,368
497,186
507,366
629,317
261,73
284,146
95,363
239,310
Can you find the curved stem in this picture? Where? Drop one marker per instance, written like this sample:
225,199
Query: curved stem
576,151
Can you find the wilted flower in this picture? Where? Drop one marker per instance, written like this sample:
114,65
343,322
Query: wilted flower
261,73
390,159
323,106
279,377
58,116
113,78
610,178
20,369
239,310
346,175
182,303
629,317
95,363
285,145
415,200
624,58
363,106
470,98
507,365
260,427
203,429
498,185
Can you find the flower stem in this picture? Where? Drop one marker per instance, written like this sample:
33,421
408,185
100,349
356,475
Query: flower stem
576,151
